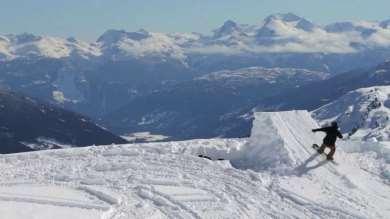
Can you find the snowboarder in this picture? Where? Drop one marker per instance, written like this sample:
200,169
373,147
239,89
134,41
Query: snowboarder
332,132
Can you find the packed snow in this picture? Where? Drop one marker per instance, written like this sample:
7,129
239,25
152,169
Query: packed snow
273,174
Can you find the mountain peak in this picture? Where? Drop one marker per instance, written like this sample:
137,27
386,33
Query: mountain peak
24,38
271,25
287,17
227,28
229,24
72,39
112,36
300,22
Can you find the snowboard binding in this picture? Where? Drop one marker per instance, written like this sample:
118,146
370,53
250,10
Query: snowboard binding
317,148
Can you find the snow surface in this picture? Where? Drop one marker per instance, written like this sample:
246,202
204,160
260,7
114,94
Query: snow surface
28,45
273,174
144,136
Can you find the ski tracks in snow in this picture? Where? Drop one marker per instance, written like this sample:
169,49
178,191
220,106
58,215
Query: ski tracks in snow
155,181
133,182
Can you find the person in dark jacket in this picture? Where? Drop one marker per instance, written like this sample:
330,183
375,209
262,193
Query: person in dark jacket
332,132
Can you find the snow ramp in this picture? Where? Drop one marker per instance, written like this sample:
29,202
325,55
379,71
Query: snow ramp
279,141
355,186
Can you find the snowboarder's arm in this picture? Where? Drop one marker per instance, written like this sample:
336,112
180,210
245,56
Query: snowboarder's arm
320,130
339,135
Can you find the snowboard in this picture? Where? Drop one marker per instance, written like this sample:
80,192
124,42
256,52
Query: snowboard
316,147
209,158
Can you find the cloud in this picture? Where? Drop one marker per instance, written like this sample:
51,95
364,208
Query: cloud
381,38
290,39
286,37
317,41
216,49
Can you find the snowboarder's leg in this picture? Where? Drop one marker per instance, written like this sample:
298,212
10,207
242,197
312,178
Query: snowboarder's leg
321,149
331,153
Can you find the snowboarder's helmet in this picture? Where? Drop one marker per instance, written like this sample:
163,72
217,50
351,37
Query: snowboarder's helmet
334,124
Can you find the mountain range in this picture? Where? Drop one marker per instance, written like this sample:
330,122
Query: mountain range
277,34
187,85
323,92
208,106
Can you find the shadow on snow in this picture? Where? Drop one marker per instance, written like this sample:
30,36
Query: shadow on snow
304,168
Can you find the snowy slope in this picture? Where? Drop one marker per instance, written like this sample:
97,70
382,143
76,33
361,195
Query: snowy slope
168,180
364,113
122,45
28,46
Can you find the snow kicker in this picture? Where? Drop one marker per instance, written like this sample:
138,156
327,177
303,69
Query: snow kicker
279,141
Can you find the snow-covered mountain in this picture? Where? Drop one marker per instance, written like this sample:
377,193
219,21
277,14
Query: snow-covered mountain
319,93
27,124
272,174
289,33
102,77
363,27
229,28
362,113
276,27
31,46
120,45
278,33
89,86
281,40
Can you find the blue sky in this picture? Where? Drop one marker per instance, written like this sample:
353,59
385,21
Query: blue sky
87,19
